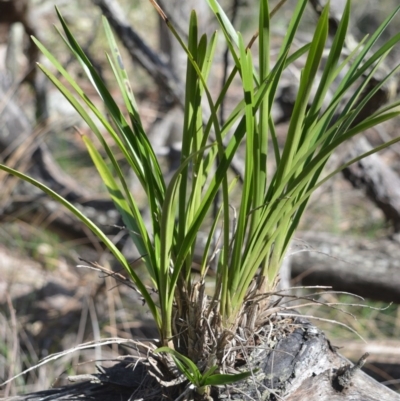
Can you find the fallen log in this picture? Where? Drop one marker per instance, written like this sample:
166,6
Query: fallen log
369,268
376,179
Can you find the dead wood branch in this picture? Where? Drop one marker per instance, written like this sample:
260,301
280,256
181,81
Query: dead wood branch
374,177
368,268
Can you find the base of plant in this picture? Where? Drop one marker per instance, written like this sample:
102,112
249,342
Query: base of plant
294,360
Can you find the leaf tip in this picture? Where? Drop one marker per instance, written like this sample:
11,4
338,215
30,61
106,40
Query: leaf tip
79,131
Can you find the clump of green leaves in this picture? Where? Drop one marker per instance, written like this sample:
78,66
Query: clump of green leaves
202,381
270,208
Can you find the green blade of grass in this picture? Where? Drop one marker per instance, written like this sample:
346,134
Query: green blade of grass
129,211
248,182
306,81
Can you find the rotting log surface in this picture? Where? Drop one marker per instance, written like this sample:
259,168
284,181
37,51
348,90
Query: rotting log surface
379,182
302,366
368,268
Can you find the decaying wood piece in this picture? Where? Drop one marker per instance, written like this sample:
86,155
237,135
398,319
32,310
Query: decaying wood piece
380,351
109,384
368,268
306,358
384,358
379,182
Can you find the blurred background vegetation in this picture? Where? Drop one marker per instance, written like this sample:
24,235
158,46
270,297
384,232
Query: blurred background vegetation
47,303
